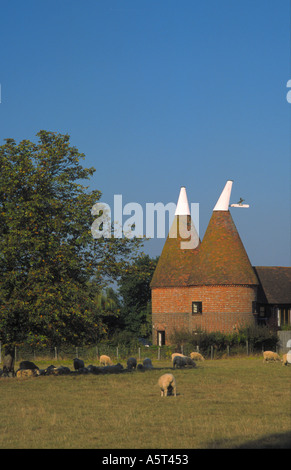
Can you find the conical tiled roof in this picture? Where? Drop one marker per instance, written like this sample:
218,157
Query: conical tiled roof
177,259
222,258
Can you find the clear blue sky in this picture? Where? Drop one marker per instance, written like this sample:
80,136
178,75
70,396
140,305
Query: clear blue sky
160,94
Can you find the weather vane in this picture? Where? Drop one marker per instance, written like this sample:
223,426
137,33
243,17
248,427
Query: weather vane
239,204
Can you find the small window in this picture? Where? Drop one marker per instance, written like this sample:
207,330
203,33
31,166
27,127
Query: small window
161,338
196,308
262,312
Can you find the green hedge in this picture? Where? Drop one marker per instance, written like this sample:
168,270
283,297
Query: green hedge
255,338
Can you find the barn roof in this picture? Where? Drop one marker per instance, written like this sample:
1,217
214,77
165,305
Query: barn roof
275,284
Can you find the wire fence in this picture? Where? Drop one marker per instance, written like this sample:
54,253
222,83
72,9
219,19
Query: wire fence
91,354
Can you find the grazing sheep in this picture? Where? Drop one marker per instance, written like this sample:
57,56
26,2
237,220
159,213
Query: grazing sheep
78,364
190,362
196,356
167,384
285,360
177,354
147,363
179,361
182,361
140,367
131,363
105,360
271,356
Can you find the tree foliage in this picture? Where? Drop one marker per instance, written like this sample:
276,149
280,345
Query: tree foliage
51,267
135,292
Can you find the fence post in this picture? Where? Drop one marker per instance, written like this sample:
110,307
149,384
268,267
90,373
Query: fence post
77,352
56,353
211,352
159,353
227,349
117,353
15,354
197,348
139,353
247,345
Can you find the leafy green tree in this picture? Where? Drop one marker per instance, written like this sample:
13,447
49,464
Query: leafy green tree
108,306
135,292
48,256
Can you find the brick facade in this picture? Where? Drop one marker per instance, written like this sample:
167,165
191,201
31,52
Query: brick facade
224,307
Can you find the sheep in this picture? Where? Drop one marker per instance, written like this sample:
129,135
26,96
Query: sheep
179,361
93,369
63,370
27,365
182,361
105,360
50,370
271,356
190,362
78,364
147,363
83,370
131,363
285,360
23,373
167,384
177,354
196,356
113,369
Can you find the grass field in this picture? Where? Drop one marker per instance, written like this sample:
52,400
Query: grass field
225,403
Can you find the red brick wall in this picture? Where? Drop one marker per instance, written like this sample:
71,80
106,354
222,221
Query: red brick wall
223,308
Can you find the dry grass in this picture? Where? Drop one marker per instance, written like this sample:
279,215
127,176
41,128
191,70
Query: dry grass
227,403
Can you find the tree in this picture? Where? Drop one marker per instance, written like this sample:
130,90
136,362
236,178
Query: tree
108,306
48,257
135,292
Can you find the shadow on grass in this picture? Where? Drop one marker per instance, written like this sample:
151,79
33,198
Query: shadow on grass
270,441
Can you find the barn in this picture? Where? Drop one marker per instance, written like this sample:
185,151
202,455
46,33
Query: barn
212,285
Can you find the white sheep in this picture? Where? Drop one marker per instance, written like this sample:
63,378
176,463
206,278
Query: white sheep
271,356
285,360
196,356
24,373
105,360
167,384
